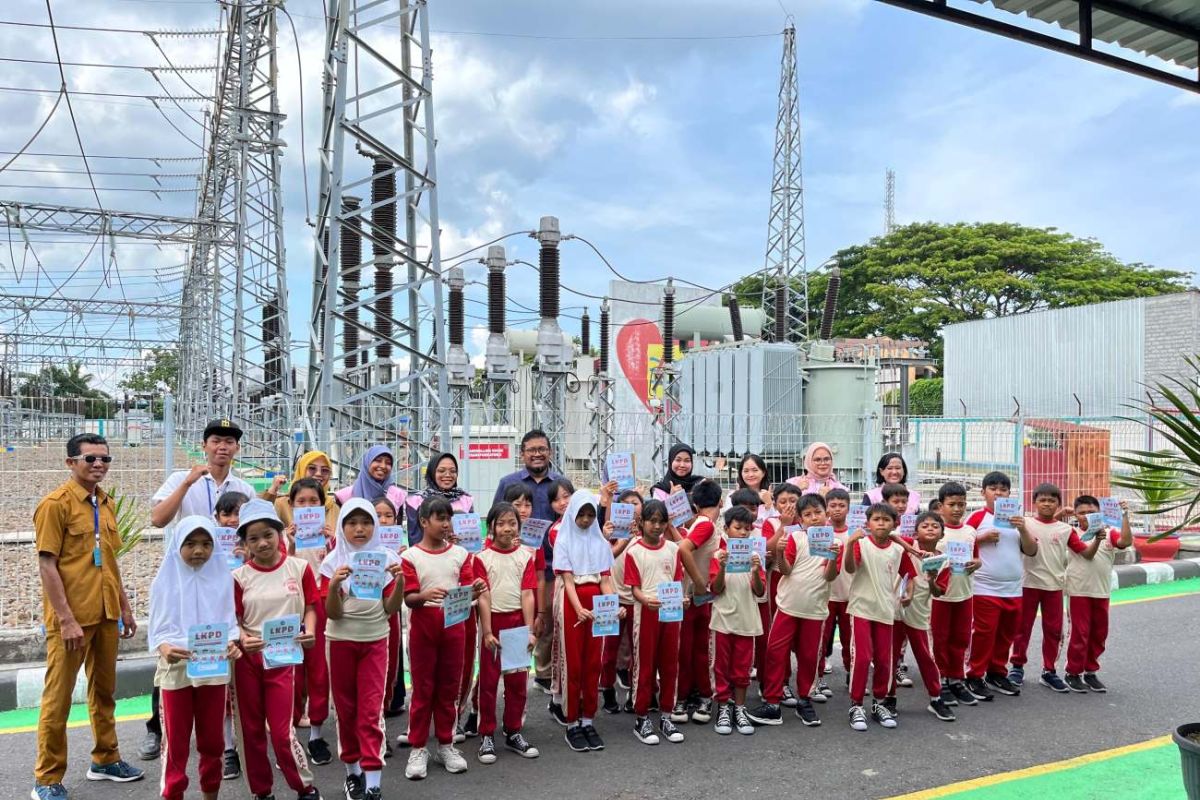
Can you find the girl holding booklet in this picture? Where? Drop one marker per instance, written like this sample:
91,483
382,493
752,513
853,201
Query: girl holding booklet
621,536
191,596
394,695
510,571
356,576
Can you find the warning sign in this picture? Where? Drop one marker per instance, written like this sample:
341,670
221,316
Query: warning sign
485,451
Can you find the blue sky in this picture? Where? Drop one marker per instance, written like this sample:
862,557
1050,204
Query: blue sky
660,151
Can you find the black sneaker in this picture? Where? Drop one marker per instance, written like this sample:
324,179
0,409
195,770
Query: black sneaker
355,784
938,708
964,695
1093,682
311,793
822,692
889,703
806,712
151,746
628,706
556,711
611,706
267,796
1051,680
1075,683
231,770
1001,684
1016,675
669,731
594,742
902,678
979,690
487,750
680,714
883,715
948,696
387,748
470,728
373,793
543,684
518,744
766,714
318,752
623,679
703,712
575,739
724,724
396,710
789,698
644,731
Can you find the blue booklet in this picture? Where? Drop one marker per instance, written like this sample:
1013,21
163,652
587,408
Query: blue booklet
619,467
758,543
621,515
857,518
1095,524
1110,509
679,508
279,636
934,563
958,553
908,525
227,540
605,621
1006,508
739,556
468,533
670,598
533,532
820,542
392,537
514,649
309,521
702,598
456,605
368,574
208,644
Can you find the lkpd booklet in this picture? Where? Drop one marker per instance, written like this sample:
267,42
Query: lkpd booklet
208,645
279,635
309,521
368,574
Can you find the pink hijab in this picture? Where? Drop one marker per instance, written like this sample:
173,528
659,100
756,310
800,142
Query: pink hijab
816,484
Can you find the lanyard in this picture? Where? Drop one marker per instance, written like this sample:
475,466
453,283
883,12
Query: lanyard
96,559
212,508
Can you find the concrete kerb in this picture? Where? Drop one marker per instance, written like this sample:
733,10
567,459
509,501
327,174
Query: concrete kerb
1146,572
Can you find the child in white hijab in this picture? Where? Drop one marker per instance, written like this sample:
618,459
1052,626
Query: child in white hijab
192,593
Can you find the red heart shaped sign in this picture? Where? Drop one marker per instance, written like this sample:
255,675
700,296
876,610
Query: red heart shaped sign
633,340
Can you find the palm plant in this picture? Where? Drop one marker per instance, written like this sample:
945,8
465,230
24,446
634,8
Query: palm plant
129,520
1169,480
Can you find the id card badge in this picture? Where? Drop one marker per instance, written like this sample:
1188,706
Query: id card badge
96,556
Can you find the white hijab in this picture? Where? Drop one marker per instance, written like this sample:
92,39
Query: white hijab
580,551
341,554
182,596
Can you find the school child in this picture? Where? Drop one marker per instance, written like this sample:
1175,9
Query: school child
394,692
801,609
787,496
874,561
1089,584
618,648
950,619
270,585
935,506
837,509
226,514
520,496
358,649
1045,579
694,695
752,502
431,568
913,619
583,563
997,606
510,571
650,561
735,623
312,677
192,588
560,494
896,496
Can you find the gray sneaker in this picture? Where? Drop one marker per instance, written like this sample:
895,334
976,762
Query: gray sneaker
49,791
151,747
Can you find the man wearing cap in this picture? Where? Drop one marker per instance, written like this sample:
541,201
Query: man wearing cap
194,491
83,600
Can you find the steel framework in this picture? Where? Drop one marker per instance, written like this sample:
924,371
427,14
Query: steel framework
785,276
351,403
99,222
889,202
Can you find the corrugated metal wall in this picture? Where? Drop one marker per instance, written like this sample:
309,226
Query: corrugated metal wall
1094,351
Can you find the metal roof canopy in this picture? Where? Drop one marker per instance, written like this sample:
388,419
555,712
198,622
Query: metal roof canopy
1164,29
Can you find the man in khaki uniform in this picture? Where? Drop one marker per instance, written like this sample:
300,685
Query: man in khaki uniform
77,542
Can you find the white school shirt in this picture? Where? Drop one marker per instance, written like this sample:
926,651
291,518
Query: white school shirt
1002,573
201,498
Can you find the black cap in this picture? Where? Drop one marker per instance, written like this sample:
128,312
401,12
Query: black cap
222,427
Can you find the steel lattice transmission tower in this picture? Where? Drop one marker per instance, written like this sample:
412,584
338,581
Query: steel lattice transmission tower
378,141
889,202
234,333
785,277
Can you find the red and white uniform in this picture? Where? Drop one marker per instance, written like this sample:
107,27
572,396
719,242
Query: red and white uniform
509,574
735,622
913,624
839,597
998,587
951,617
1045,578
1089,585
694,633
655,657
872,609
798,626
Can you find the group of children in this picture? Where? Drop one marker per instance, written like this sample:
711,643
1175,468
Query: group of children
960,595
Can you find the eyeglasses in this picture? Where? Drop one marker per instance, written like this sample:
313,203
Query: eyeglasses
319,471
537,451
92,459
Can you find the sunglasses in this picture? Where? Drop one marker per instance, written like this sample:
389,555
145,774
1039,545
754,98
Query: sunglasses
92,459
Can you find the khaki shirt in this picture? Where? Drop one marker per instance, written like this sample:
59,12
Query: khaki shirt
65,527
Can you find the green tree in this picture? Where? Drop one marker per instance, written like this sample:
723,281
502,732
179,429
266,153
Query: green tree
162,369
65,389
925,397
914,281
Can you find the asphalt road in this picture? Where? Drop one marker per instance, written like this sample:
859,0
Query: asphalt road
1152,669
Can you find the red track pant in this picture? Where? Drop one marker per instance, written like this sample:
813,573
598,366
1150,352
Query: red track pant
1051,604
435,654
264,702
732,657
870,646
581,657
996,622
693,652
612,649
951,625
395,661
655,656
359,673
839,618
1089,632
515,683
921,644
470,649
312,677
203,707
789,634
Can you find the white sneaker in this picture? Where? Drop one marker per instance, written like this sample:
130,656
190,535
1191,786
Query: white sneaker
418,764
451,758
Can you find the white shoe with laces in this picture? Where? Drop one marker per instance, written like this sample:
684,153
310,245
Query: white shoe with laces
418,764
451,758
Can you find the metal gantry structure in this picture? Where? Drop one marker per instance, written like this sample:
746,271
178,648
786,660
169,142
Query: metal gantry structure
785,276
378,136
889,202
235,358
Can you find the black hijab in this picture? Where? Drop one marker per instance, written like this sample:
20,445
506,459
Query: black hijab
431,488
686,482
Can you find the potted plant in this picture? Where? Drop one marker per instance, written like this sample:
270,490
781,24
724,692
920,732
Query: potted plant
1159,485
1169,481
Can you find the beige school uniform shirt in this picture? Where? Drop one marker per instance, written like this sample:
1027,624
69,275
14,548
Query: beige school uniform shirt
961,586
803,592
1091,578
261,594
839,590
508,573
735,610
873,590
646,567
1047,569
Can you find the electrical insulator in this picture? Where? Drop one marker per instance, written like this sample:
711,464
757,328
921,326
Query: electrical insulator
604,337
585,333
383,245
781,313
496,289
831,294
351,246
668,331
735,318
457,319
